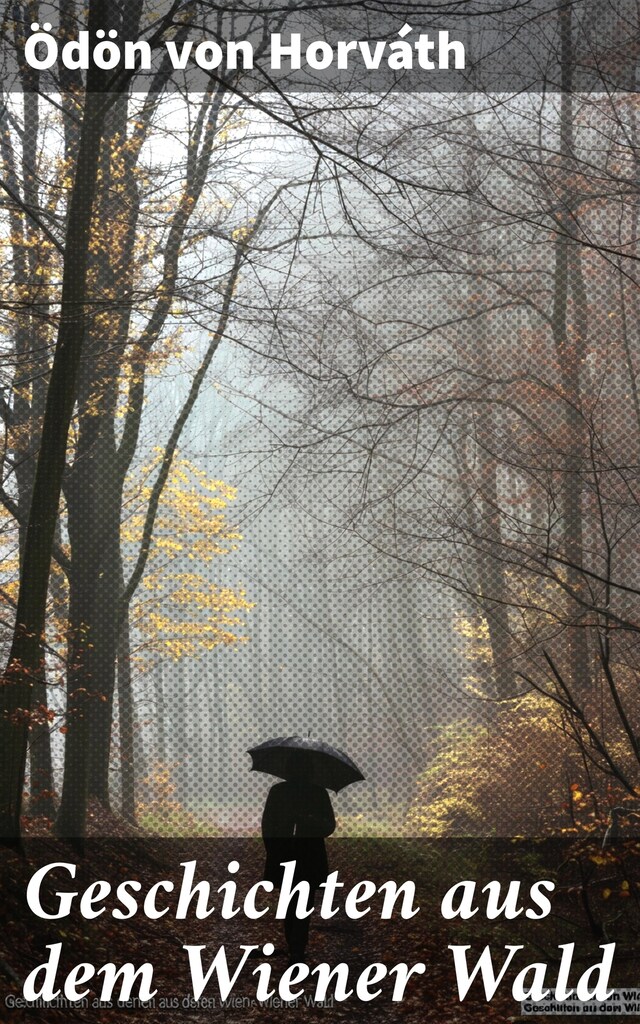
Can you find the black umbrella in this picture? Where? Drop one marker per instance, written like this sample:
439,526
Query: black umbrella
292,758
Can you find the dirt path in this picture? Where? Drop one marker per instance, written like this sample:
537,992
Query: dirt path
356,943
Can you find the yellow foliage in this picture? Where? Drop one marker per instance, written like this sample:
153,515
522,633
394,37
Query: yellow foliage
160,813
508,777
179,612
521,773
475,631
239,234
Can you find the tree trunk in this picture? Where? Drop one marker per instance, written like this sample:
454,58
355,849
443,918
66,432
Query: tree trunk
569,324
94,531
127,725
494,600
25,667
24,423
160,752
95,482
93,487
41,793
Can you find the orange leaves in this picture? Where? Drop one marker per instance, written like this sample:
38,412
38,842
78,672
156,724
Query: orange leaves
624,892
36,716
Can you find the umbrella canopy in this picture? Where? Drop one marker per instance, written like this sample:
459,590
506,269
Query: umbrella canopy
313,761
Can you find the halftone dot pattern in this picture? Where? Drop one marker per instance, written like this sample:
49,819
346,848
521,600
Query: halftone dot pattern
407,570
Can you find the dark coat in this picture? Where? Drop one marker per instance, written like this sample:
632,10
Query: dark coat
297,816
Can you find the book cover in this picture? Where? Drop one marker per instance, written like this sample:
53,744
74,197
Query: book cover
320,510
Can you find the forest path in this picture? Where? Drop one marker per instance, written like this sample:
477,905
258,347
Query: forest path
356,943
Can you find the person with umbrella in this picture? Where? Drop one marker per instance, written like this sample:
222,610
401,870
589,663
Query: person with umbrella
298,816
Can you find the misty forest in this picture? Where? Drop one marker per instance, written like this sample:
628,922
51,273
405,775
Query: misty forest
321,416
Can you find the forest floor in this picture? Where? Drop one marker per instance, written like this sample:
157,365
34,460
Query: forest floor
357,943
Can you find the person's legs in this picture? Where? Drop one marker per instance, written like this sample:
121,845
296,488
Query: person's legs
296,932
